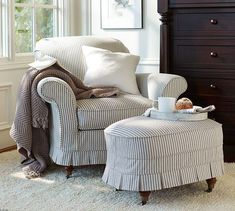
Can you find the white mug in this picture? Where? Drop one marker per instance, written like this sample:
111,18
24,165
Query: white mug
165,104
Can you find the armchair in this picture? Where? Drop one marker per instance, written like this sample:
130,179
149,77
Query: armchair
76,127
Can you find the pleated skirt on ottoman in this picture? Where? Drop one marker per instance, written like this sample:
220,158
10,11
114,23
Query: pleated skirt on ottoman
145,154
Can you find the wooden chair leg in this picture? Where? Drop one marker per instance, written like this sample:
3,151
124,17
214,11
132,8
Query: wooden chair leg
69,170
144,196
211,184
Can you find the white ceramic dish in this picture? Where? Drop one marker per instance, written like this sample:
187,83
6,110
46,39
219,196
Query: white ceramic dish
179,116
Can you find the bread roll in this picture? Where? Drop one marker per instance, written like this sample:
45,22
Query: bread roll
184,103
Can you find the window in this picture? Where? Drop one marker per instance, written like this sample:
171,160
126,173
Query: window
24,22
34,19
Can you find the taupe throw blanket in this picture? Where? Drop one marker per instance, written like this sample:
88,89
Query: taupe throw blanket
30,126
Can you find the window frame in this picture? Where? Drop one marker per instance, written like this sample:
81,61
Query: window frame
8,55
1,29
5,31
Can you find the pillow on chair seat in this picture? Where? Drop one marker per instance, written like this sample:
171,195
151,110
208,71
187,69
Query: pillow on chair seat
107,68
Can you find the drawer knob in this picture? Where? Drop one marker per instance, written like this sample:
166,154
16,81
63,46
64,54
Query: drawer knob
214,54
213,86
213,21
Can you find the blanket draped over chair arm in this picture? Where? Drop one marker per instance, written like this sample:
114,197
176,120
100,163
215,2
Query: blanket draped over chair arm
63,103
154,85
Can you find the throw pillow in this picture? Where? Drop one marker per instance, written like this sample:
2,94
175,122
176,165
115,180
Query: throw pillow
107,68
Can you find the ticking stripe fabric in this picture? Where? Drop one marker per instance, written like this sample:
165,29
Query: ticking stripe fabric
165,85
100,113
145,154
30,126
76,128
88,148
67,50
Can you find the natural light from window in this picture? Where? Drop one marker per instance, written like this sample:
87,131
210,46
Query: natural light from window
24,22
34,19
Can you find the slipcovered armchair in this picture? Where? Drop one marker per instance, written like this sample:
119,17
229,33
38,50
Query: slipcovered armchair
77,127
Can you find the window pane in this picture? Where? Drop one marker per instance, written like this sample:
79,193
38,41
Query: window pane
44,1
44,23
23,29
23,1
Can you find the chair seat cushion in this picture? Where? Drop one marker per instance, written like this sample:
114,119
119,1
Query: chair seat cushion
99,113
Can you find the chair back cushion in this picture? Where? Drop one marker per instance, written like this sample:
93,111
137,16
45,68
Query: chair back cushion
68,51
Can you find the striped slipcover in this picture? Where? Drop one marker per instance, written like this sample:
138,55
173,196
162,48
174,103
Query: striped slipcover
96,113
145,154
77,127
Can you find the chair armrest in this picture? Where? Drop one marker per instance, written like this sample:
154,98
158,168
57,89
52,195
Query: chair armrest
63,107
142,82
165,85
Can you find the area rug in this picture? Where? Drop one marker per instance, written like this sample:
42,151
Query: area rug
85,191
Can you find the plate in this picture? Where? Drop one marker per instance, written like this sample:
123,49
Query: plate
178,116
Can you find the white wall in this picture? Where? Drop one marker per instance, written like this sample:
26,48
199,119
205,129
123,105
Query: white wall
10,76
80,15
143,42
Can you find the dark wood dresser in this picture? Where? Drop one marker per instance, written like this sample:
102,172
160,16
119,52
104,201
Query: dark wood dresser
198,42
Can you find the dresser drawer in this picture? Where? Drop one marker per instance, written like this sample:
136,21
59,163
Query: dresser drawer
204,22
224,113
204,53
222,104
205,73
220,89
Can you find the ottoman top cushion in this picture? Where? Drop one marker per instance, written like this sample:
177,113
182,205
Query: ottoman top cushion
142,126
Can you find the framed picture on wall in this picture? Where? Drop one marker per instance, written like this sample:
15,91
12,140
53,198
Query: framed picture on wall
121,14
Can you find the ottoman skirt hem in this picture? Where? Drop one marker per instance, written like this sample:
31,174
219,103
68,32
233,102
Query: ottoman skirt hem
162,180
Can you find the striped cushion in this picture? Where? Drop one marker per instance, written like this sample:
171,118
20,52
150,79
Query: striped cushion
100,113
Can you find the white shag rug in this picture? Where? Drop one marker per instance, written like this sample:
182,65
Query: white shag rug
85,191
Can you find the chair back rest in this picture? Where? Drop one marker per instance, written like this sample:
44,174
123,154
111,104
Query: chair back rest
68,52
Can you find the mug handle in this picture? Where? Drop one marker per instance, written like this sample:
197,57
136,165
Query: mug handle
155,104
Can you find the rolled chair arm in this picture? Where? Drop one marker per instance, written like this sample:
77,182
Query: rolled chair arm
153,85
165,85
63,107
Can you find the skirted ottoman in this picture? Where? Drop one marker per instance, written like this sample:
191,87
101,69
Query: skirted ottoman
145,154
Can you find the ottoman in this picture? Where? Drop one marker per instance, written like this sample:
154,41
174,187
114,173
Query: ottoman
145,154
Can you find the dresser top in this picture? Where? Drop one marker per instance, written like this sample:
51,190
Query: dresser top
163,5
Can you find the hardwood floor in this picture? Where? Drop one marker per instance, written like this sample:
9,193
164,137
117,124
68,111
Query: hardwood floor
8,149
